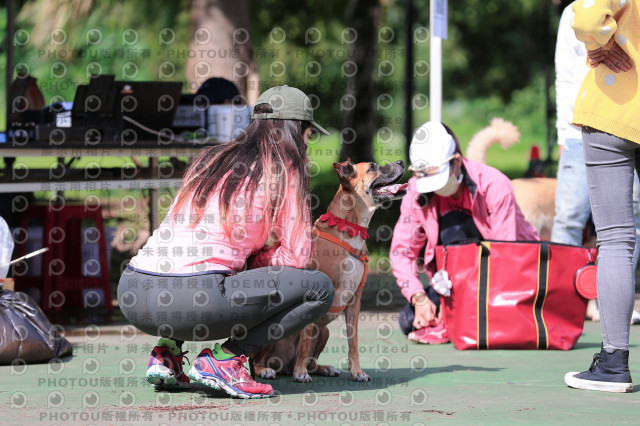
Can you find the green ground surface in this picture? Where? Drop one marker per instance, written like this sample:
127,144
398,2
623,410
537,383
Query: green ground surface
412,384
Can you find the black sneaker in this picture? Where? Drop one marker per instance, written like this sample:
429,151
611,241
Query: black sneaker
609,372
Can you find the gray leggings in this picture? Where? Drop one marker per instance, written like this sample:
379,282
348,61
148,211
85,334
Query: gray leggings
255,307
610,164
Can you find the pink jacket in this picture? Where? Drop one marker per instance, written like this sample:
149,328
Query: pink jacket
178,249
495,214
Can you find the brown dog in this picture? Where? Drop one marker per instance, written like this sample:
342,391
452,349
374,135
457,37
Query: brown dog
339,250
536,197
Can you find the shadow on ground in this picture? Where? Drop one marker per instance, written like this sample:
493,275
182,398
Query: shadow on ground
379,380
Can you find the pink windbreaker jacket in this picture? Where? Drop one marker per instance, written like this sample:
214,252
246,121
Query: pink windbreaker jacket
177,248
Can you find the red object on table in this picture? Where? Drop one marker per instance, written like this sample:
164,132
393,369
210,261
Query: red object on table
61,278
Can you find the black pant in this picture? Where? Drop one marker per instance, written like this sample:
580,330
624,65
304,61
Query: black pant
255,307
408,313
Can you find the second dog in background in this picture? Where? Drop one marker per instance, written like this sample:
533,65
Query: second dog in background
535,195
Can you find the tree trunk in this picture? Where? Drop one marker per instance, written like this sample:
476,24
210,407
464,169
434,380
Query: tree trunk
221,46
364,17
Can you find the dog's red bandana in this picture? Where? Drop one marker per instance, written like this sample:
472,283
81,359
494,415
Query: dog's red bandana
345,226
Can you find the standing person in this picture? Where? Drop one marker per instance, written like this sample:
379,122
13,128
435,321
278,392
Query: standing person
244,201
449,199
572,195
607,109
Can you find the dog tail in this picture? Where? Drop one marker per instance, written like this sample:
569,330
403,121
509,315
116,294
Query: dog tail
498,131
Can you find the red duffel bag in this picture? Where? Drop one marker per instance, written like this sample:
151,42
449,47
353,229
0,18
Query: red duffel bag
515,295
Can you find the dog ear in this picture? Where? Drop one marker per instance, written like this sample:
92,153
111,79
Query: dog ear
345,170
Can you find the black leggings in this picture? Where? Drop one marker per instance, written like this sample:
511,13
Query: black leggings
408,314
255,307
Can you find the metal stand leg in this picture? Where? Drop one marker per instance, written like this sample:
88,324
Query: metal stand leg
153,196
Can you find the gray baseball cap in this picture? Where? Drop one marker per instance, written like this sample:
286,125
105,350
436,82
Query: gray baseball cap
288,103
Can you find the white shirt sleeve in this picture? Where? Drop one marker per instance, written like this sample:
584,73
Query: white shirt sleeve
571,69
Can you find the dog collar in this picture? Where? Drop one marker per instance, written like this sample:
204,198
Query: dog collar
345,226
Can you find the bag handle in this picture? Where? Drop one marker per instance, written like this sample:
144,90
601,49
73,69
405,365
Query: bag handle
475,241
485,250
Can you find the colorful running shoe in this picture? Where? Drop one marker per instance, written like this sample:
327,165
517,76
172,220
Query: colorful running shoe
430,335
229,375
165,369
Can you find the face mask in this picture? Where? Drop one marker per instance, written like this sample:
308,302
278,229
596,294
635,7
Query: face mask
450,187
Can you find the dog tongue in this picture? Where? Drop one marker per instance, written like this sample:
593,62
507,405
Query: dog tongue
392,189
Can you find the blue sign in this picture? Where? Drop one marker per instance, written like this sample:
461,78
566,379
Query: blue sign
440,19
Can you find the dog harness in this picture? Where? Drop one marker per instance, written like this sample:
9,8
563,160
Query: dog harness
362,256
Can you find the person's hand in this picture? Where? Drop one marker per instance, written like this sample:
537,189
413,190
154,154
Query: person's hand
595,56
425,312
615,58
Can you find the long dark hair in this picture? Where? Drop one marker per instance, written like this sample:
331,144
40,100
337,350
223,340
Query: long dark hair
270,154
455,138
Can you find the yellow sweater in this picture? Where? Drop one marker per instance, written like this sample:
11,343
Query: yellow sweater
609,101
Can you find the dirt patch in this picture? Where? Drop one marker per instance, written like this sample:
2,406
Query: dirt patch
183,407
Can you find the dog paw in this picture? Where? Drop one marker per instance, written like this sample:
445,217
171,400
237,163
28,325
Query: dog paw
327,370
268,373
360,376
302,378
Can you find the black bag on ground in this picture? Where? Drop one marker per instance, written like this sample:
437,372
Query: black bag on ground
25,331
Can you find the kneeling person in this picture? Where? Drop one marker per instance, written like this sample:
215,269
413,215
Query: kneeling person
449,199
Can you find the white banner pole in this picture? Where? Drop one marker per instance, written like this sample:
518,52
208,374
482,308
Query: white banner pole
435,79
